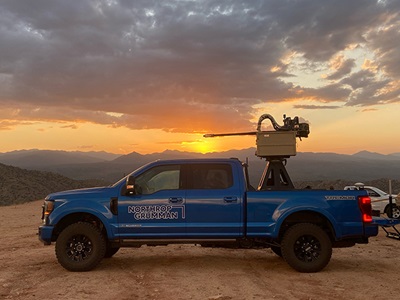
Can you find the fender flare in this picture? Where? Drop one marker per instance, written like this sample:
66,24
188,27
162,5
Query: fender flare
101,212
282,215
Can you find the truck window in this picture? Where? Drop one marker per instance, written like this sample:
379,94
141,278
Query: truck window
372,193
210,176
158,178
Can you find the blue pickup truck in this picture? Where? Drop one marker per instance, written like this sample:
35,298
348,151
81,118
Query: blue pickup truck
207,202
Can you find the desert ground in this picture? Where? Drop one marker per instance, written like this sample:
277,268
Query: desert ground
29,270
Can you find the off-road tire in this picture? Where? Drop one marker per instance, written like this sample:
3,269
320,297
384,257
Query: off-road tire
306,247
80,247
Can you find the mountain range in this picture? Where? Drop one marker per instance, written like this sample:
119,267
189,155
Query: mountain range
52,171
19,185
305,166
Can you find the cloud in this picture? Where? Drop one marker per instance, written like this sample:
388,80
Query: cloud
86,147
71,126
368,109
341,67
368,89
188,65
316,106
9,125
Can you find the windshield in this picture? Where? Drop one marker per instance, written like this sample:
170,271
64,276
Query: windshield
124,178
118,182
380,191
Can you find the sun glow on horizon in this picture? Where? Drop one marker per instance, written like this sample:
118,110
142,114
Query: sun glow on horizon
199,146
345,131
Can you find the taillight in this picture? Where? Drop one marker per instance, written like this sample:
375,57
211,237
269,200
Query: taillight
364,202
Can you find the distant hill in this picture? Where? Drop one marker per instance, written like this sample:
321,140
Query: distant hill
375,155
19,185
36,158
382,183
331,166
306,166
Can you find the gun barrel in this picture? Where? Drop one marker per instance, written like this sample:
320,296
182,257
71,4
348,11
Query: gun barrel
229,134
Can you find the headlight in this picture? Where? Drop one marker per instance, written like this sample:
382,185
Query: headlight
47,208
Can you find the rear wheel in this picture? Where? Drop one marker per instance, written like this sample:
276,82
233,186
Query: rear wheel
306,247
80,247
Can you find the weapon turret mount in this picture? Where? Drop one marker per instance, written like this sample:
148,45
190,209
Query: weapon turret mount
277,144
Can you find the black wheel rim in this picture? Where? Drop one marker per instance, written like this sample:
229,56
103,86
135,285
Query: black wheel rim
79,248
307,248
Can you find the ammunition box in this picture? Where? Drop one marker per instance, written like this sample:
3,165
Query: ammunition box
276,143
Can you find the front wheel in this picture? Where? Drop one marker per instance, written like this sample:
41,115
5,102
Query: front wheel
80,247
306,247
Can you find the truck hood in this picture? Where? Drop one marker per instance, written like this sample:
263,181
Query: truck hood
87,193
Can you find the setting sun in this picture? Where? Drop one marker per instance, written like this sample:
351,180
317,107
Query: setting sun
200,146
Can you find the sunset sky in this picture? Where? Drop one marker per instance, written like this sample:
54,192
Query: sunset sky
146,76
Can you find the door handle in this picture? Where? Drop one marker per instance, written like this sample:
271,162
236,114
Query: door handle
230,199
175,199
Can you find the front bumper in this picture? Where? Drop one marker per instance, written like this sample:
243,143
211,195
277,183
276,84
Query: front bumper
45,233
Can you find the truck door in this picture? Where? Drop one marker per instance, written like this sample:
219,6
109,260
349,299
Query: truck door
213,201
157,206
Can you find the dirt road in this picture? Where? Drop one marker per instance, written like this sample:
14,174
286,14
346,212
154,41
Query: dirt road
29,270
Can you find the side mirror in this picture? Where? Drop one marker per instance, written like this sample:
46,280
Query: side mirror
130,185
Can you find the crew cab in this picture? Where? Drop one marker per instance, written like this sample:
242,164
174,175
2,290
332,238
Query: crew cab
208,202
379,199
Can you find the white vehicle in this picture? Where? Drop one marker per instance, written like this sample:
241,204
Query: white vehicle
379,199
